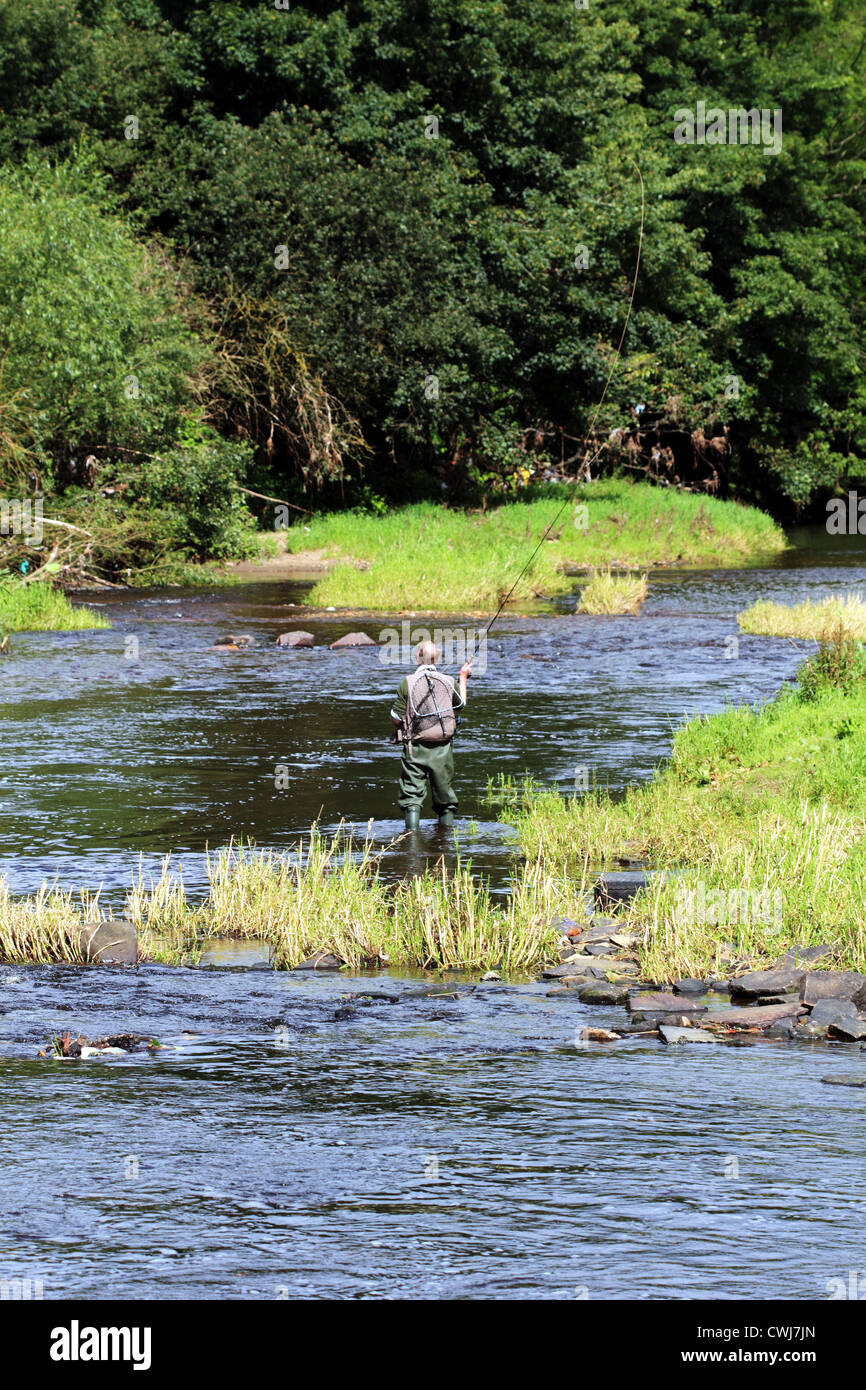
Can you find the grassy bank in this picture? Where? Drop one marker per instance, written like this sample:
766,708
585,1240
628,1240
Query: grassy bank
463,560
763,810
40,608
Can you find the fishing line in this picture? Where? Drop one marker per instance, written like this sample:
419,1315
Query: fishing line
568,501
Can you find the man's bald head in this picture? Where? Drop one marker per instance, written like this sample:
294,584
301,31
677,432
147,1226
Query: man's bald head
427,654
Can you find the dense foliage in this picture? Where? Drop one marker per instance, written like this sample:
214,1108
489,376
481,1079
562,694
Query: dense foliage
408,229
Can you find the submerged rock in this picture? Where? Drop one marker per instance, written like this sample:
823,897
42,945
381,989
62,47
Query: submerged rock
598,1035
844,1080
295,639
353,639
691,986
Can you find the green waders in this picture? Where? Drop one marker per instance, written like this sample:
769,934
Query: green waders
423,763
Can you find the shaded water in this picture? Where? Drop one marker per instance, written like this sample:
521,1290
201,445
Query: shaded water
426,1147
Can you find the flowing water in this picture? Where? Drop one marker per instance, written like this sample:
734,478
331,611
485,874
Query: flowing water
288,1141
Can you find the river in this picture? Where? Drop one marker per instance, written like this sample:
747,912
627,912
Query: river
417,1146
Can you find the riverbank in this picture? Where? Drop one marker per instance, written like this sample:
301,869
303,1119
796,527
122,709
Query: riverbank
471,559
761,813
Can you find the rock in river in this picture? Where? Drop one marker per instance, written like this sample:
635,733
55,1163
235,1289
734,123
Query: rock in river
761,1016
353,639
295,639
833,984
664,1004
322,960
114,942
848,1029
829,1010
684,1035
602,993
782,980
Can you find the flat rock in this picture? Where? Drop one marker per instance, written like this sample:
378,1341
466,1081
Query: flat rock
603,993
322,960
691,986
767,1000
851,1029
664,1003
828,1010
782,980
586,978
353,639
760,1016
833,984
844,1080
684,1035
295,639
665,1020
577,965
114,942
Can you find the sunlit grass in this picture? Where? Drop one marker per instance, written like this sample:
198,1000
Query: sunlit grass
608,592
809,620
763,807
428,557
40,608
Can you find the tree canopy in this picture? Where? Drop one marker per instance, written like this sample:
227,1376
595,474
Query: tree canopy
393,242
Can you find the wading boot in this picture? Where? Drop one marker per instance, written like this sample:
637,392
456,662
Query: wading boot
446,820
413,817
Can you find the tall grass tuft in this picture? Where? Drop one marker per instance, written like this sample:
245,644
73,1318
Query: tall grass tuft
40,608
811,619
610,593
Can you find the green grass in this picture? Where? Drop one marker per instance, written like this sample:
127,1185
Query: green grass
765,811
326,895
40,608
808,620
608,592
427,556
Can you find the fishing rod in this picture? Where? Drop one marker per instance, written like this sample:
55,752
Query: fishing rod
567,502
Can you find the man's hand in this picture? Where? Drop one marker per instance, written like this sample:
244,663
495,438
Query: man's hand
466,668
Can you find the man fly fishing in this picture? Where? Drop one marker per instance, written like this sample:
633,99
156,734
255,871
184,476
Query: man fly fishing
424,717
